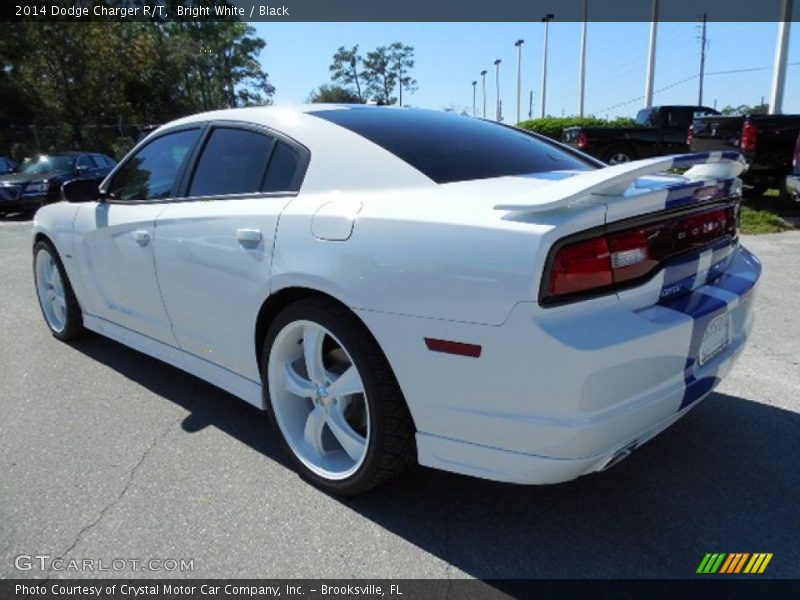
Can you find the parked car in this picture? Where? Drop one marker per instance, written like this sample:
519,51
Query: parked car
400,285
793,179
766,141
7,165
37,181
659,130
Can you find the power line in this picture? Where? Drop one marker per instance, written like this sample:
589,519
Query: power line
687,79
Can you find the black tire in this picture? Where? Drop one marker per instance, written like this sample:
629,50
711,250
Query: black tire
615,154
73,327
391,446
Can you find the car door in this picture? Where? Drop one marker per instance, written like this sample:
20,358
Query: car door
214,249
115,236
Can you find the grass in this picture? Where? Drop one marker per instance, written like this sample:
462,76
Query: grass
762,220
767,214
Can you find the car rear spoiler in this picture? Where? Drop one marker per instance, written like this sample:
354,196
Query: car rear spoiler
615,180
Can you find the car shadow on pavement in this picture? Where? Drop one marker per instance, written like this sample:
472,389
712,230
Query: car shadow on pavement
723,479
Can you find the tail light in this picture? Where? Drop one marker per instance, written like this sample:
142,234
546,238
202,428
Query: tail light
618,259
690,135
747,143
582,141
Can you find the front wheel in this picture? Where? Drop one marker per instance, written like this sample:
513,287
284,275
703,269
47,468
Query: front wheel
332,397
60,307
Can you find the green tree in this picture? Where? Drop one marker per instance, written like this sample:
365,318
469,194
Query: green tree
746,109
402,61
333,94
65,85
380,75
345,69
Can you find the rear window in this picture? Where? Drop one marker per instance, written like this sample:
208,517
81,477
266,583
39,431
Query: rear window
447,147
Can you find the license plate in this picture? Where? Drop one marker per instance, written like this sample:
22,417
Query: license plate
715,339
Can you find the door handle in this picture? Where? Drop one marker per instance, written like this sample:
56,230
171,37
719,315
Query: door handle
142,237
248,236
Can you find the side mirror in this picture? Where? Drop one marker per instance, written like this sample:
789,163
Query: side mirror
80,190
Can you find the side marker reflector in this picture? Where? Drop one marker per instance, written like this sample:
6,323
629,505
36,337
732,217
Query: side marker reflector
449,347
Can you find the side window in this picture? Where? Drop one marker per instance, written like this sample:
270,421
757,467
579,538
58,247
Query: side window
85,162
233,162
282,169
150,173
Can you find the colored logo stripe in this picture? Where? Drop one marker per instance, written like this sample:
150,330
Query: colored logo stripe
734,562
758,563
710,563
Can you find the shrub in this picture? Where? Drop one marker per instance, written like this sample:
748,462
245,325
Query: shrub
553,127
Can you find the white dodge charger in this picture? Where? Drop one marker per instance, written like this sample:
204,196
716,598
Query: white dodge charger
397,285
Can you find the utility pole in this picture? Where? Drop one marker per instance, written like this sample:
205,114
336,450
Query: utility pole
651,58
474,96
582,67
530,106
781,54
483,76
497,85
546,20
703,44
518,44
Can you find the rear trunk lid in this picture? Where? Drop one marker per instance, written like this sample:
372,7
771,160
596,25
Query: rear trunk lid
663,235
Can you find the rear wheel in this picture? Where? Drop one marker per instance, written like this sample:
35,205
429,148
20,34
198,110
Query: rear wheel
618,156
333,399
60,307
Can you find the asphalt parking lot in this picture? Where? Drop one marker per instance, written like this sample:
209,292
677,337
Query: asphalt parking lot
106,453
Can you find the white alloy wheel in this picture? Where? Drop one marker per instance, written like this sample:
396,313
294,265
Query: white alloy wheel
51,291
319,400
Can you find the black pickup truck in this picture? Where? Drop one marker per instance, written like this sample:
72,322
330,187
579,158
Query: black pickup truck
658,130
766,141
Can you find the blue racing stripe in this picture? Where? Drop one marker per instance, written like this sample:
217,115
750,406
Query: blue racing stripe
683,194
679,277
702,309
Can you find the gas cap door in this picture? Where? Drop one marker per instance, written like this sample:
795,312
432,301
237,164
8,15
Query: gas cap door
335,219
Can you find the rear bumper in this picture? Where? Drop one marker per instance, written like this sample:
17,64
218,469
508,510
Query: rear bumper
559,393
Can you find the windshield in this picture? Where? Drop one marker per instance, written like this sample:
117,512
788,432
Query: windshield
44,164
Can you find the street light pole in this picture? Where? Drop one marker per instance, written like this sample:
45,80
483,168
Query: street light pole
582,68
474,95
781,54
651,59
546,20
483,77
497,85
518,44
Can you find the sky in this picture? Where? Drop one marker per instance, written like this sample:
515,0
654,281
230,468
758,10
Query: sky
449,56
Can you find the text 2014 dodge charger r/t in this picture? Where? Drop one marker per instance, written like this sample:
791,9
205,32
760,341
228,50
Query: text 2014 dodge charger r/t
395,285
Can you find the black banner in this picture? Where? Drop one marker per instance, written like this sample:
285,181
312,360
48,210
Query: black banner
399,10
398,589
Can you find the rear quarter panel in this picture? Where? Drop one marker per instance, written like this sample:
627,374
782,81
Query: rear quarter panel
423,254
